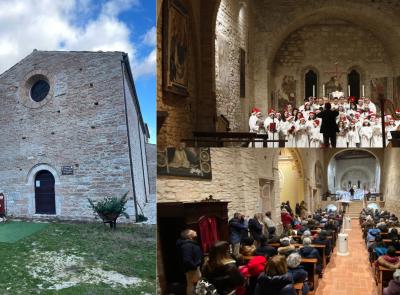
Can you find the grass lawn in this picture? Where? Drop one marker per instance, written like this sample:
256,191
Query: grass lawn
64,258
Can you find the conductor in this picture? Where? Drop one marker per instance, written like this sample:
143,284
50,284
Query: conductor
329,126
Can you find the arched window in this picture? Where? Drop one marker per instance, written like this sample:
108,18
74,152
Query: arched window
353,79
310,84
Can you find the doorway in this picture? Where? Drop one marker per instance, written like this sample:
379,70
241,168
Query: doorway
45,200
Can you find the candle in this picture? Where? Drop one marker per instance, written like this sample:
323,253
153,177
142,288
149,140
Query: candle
363,90
313,90
349,90
323,89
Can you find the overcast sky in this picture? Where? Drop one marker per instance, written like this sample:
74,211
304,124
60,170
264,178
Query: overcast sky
108,25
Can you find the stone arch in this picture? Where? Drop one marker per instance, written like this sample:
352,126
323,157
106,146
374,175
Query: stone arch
378,166
380,25
303,73
30,183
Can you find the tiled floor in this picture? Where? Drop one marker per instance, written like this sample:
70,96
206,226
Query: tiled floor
349,275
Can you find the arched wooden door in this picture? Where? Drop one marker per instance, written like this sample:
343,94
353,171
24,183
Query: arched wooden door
45,199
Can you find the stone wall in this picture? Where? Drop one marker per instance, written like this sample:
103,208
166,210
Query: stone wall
390,179
81,122
196,111
151,152
238,176
318,47
231,36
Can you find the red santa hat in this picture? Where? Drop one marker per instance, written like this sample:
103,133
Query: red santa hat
271,112
255,111
352,99
302,118
398,111
312,113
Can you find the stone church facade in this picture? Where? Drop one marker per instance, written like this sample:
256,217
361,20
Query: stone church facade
71,129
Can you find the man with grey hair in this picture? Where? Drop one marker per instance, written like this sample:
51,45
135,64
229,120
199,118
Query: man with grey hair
307,251
299,275
394,285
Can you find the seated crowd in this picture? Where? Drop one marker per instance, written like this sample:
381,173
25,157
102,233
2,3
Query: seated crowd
381,234
261,257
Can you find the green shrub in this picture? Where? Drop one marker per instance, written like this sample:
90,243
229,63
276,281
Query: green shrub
110,206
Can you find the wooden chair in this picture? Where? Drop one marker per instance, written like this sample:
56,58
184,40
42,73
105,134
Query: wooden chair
385,275
299,288
310,265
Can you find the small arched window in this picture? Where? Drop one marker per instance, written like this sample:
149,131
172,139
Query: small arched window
353,80
311,84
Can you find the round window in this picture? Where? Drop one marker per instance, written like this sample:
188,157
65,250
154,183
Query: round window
39,90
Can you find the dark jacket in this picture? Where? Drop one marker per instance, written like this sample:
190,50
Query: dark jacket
225,278
277,285
190,254
266,250
237,230
299,275
392,289
310,252
329,125
255,229
326,242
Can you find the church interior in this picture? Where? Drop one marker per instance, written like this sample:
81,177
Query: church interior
266,54
332,186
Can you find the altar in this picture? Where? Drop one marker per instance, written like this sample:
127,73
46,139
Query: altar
345,196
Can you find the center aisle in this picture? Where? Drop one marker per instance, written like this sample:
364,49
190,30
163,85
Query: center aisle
349,275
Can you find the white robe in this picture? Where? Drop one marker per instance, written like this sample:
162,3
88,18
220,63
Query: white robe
371,107
285,128
315,136
353,138
388,134
301,135
254,128
272,135
342,139
366,135
376,141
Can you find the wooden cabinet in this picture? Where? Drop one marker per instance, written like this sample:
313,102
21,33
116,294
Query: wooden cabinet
172,218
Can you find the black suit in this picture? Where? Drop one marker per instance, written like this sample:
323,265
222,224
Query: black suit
329,126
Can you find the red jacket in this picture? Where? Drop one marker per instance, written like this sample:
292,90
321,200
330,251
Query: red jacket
286,219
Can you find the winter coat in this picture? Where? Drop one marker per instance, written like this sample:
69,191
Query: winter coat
276,285
225,278
190,254
266,250
238,230
392,289
286,219
256,229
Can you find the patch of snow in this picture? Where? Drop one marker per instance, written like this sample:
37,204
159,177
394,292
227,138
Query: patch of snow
60,270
